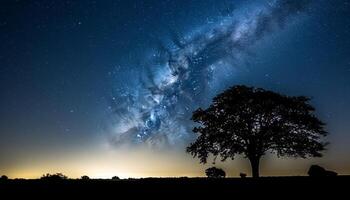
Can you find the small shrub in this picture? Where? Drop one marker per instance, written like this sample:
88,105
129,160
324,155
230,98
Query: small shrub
54,177
214,172
242,175
318,171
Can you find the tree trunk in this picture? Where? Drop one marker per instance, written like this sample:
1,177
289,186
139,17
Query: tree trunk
254,162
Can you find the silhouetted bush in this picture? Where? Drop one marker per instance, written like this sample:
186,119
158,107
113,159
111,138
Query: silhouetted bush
318,171
4,177
242,175
54,177
115,178
85,178
214,172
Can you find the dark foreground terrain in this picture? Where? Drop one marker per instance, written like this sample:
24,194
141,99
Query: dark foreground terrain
165,188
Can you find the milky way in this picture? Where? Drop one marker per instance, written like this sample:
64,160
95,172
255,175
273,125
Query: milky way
180,76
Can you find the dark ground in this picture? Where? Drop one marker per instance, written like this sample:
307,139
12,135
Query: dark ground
165,188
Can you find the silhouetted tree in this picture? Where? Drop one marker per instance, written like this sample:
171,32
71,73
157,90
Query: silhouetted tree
54,177
85,177
4,177
252,121
214,172
115,178
318,171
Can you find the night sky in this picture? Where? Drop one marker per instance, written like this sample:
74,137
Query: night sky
107,87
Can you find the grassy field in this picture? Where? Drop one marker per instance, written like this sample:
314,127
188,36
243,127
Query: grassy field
180,187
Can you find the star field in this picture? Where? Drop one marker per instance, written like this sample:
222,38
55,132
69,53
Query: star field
86,76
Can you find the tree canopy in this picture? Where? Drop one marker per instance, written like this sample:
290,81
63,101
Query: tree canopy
252,121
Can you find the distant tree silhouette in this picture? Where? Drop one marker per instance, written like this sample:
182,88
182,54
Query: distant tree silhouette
4,177
214,172
85,177
115,178
54,177
318,171
252,121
